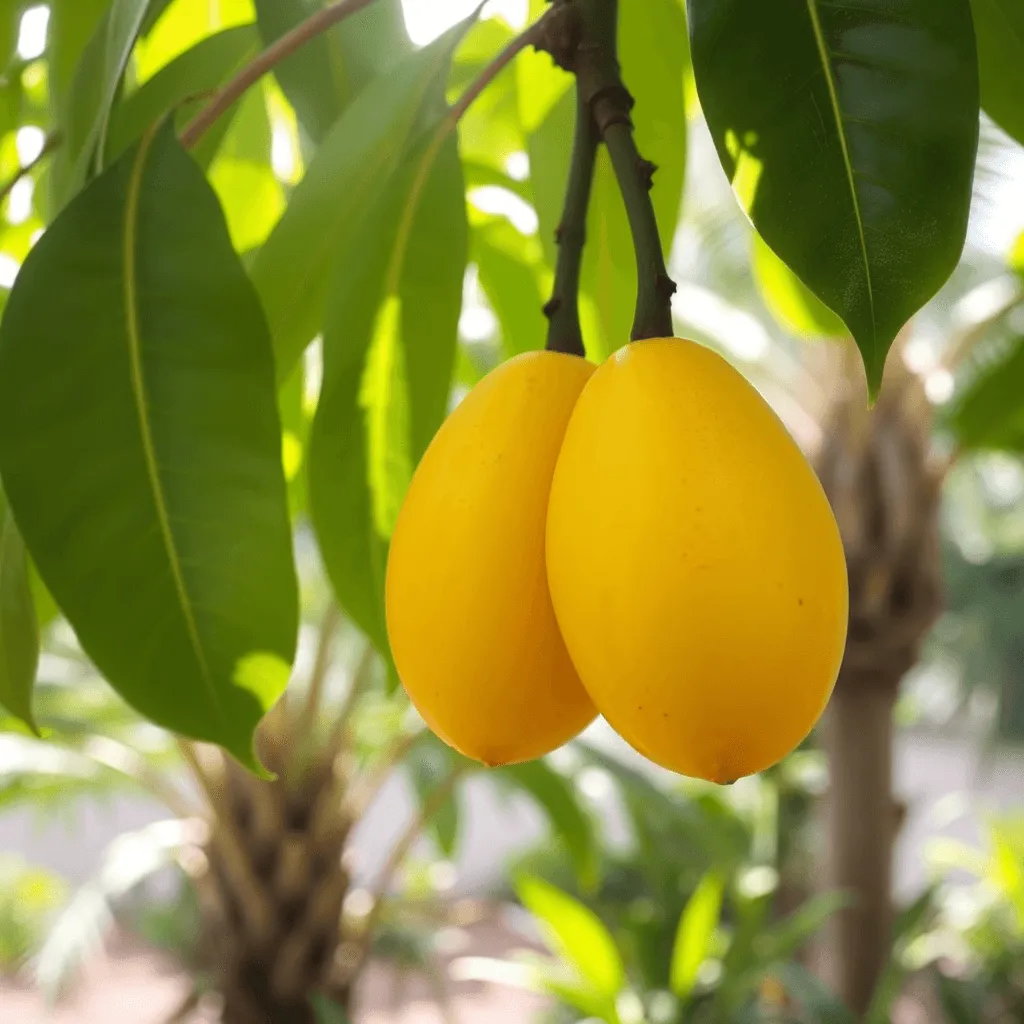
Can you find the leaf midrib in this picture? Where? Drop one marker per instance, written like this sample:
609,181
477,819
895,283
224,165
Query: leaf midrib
142,409
833,95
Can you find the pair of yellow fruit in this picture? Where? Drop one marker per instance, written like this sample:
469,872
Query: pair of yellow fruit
644,540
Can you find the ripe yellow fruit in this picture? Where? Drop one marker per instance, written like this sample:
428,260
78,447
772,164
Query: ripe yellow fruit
695,566
469,615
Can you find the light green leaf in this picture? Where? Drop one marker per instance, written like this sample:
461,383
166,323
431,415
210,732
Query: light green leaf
577,935
849,132
294,269
557,797
199,70
510,273
19,627
989,412
999,30
154,505
697,927
91,95
789,300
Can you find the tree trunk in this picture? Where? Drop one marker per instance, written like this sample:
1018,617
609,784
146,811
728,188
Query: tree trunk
860,815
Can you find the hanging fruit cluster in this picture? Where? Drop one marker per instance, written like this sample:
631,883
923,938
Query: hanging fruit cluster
644,540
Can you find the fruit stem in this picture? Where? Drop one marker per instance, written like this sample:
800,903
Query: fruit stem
564,331
584,39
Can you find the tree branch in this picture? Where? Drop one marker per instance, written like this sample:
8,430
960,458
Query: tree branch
273,55
50,143
587,46
563,312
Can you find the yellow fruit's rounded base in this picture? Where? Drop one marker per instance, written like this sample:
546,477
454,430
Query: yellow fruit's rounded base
469,615
695,566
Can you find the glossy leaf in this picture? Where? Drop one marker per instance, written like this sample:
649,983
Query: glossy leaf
293,270
696,930
989,412
199,70
576,934
789,300
999,28
154,504
19,627
849,132
556,795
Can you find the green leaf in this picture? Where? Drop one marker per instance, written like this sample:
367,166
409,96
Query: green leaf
577,935
849,132
509,267
786,938
154,505
999,29
963,1001
294,269
789,300
72,24
314,79
989,412
92,92
697,927
556,795
19,627
820,1006
198,70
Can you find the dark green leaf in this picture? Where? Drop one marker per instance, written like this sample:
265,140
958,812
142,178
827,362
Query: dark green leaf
789,300
989,412
999,28
294,269
557,797
198,70
19,627
154,503
849,132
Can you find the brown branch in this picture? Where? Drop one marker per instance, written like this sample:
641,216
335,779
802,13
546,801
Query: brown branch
273,55
50,143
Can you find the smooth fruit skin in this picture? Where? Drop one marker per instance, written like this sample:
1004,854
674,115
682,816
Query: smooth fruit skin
469,615
695,566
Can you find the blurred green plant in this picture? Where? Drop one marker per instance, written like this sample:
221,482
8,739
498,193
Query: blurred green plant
29,896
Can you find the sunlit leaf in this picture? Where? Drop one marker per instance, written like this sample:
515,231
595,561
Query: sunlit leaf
197,71
154,505
849,133
696,929
789,300
293,270
576,934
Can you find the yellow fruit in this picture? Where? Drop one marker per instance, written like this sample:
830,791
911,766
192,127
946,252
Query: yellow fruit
469,615
694,563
